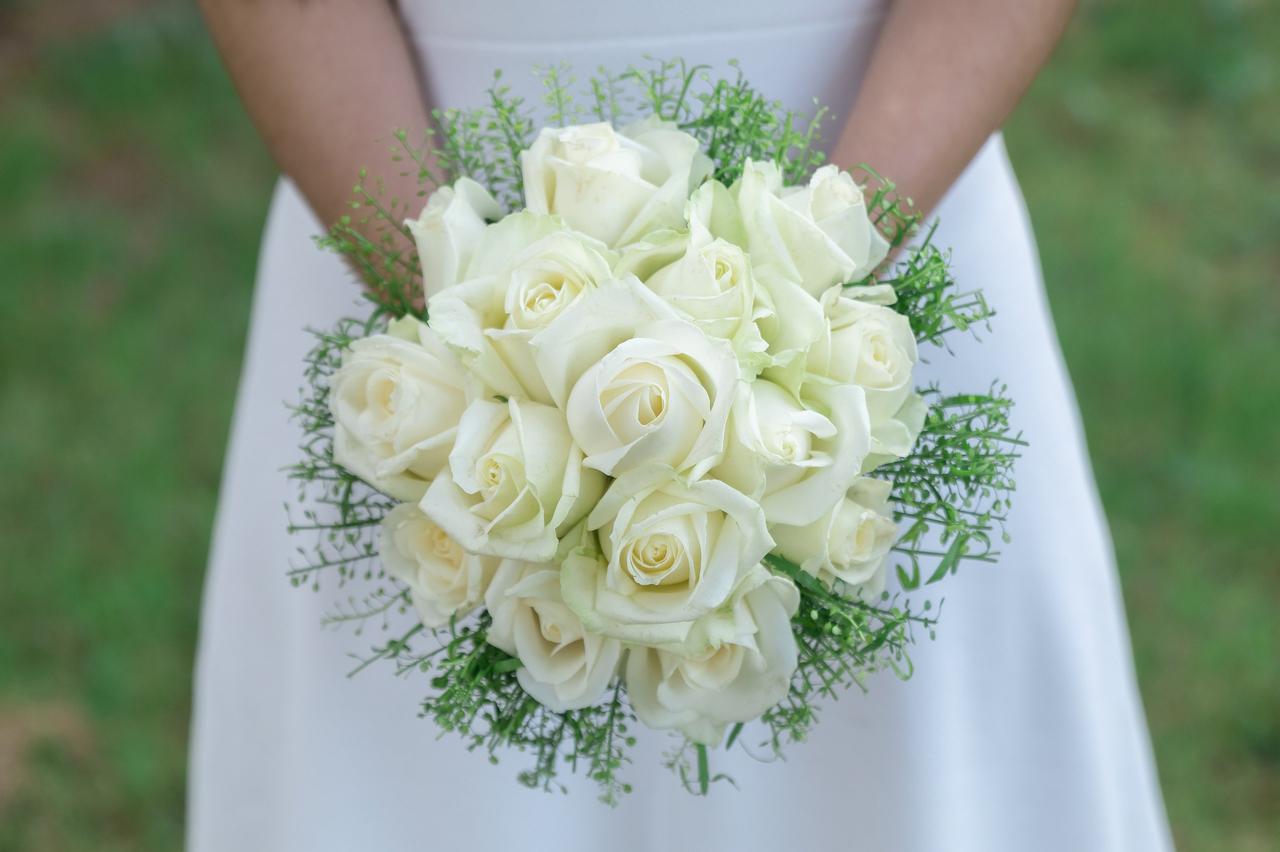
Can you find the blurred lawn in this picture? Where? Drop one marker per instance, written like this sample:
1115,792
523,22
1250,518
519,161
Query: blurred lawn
134,193
1150,155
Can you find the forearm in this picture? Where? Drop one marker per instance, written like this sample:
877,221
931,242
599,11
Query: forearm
943,77
325,82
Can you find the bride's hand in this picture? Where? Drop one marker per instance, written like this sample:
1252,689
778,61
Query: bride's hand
943,77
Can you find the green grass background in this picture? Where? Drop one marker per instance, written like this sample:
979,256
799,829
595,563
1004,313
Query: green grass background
133,193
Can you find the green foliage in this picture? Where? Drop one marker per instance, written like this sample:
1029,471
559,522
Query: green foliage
484,144
374,240
691,764
340,514
954,488
478,696
927,292
733,120
895,216
841,639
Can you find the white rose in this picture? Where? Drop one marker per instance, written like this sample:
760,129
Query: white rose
563,666
516,481
868,345
894,437
708,280
448,230
872,346
797,459
713,208
670,552
615,186
638,384
396,401
787,318
444,580
737,663
851,543
530,268
818,235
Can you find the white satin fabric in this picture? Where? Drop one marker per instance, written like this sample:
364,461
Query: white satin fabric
1021,729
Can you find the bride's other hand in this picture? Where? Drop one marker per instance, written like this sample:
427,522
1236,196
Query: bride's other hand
943,77
321,79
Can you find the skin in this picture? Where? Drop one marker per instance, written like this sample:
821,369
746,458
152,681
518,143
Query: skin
305,70
922,134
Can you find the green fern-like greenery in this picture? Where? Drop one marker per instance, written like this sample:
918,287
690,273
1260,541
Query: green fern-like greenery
951,493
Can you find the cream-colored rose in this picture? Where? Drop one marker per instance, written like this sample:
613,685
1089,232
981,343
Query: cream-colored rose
639,385
894,437
714,209
615,186
709,282
797,458
448,231
850,543
791,326
736,664
817,235
868,345
515,481
787,318
670,552
444,580
530,268
872,346
396,401
563,666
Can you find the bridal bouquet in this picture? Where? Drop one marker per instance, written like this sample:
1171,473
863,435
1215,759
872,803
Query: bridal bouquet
632,431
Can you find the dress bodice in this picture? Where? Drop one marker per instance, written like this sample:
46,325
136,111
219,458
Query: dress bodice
794,51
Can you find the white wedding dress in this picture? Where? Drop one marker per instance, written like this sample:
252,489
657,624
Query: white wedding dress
1021,729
